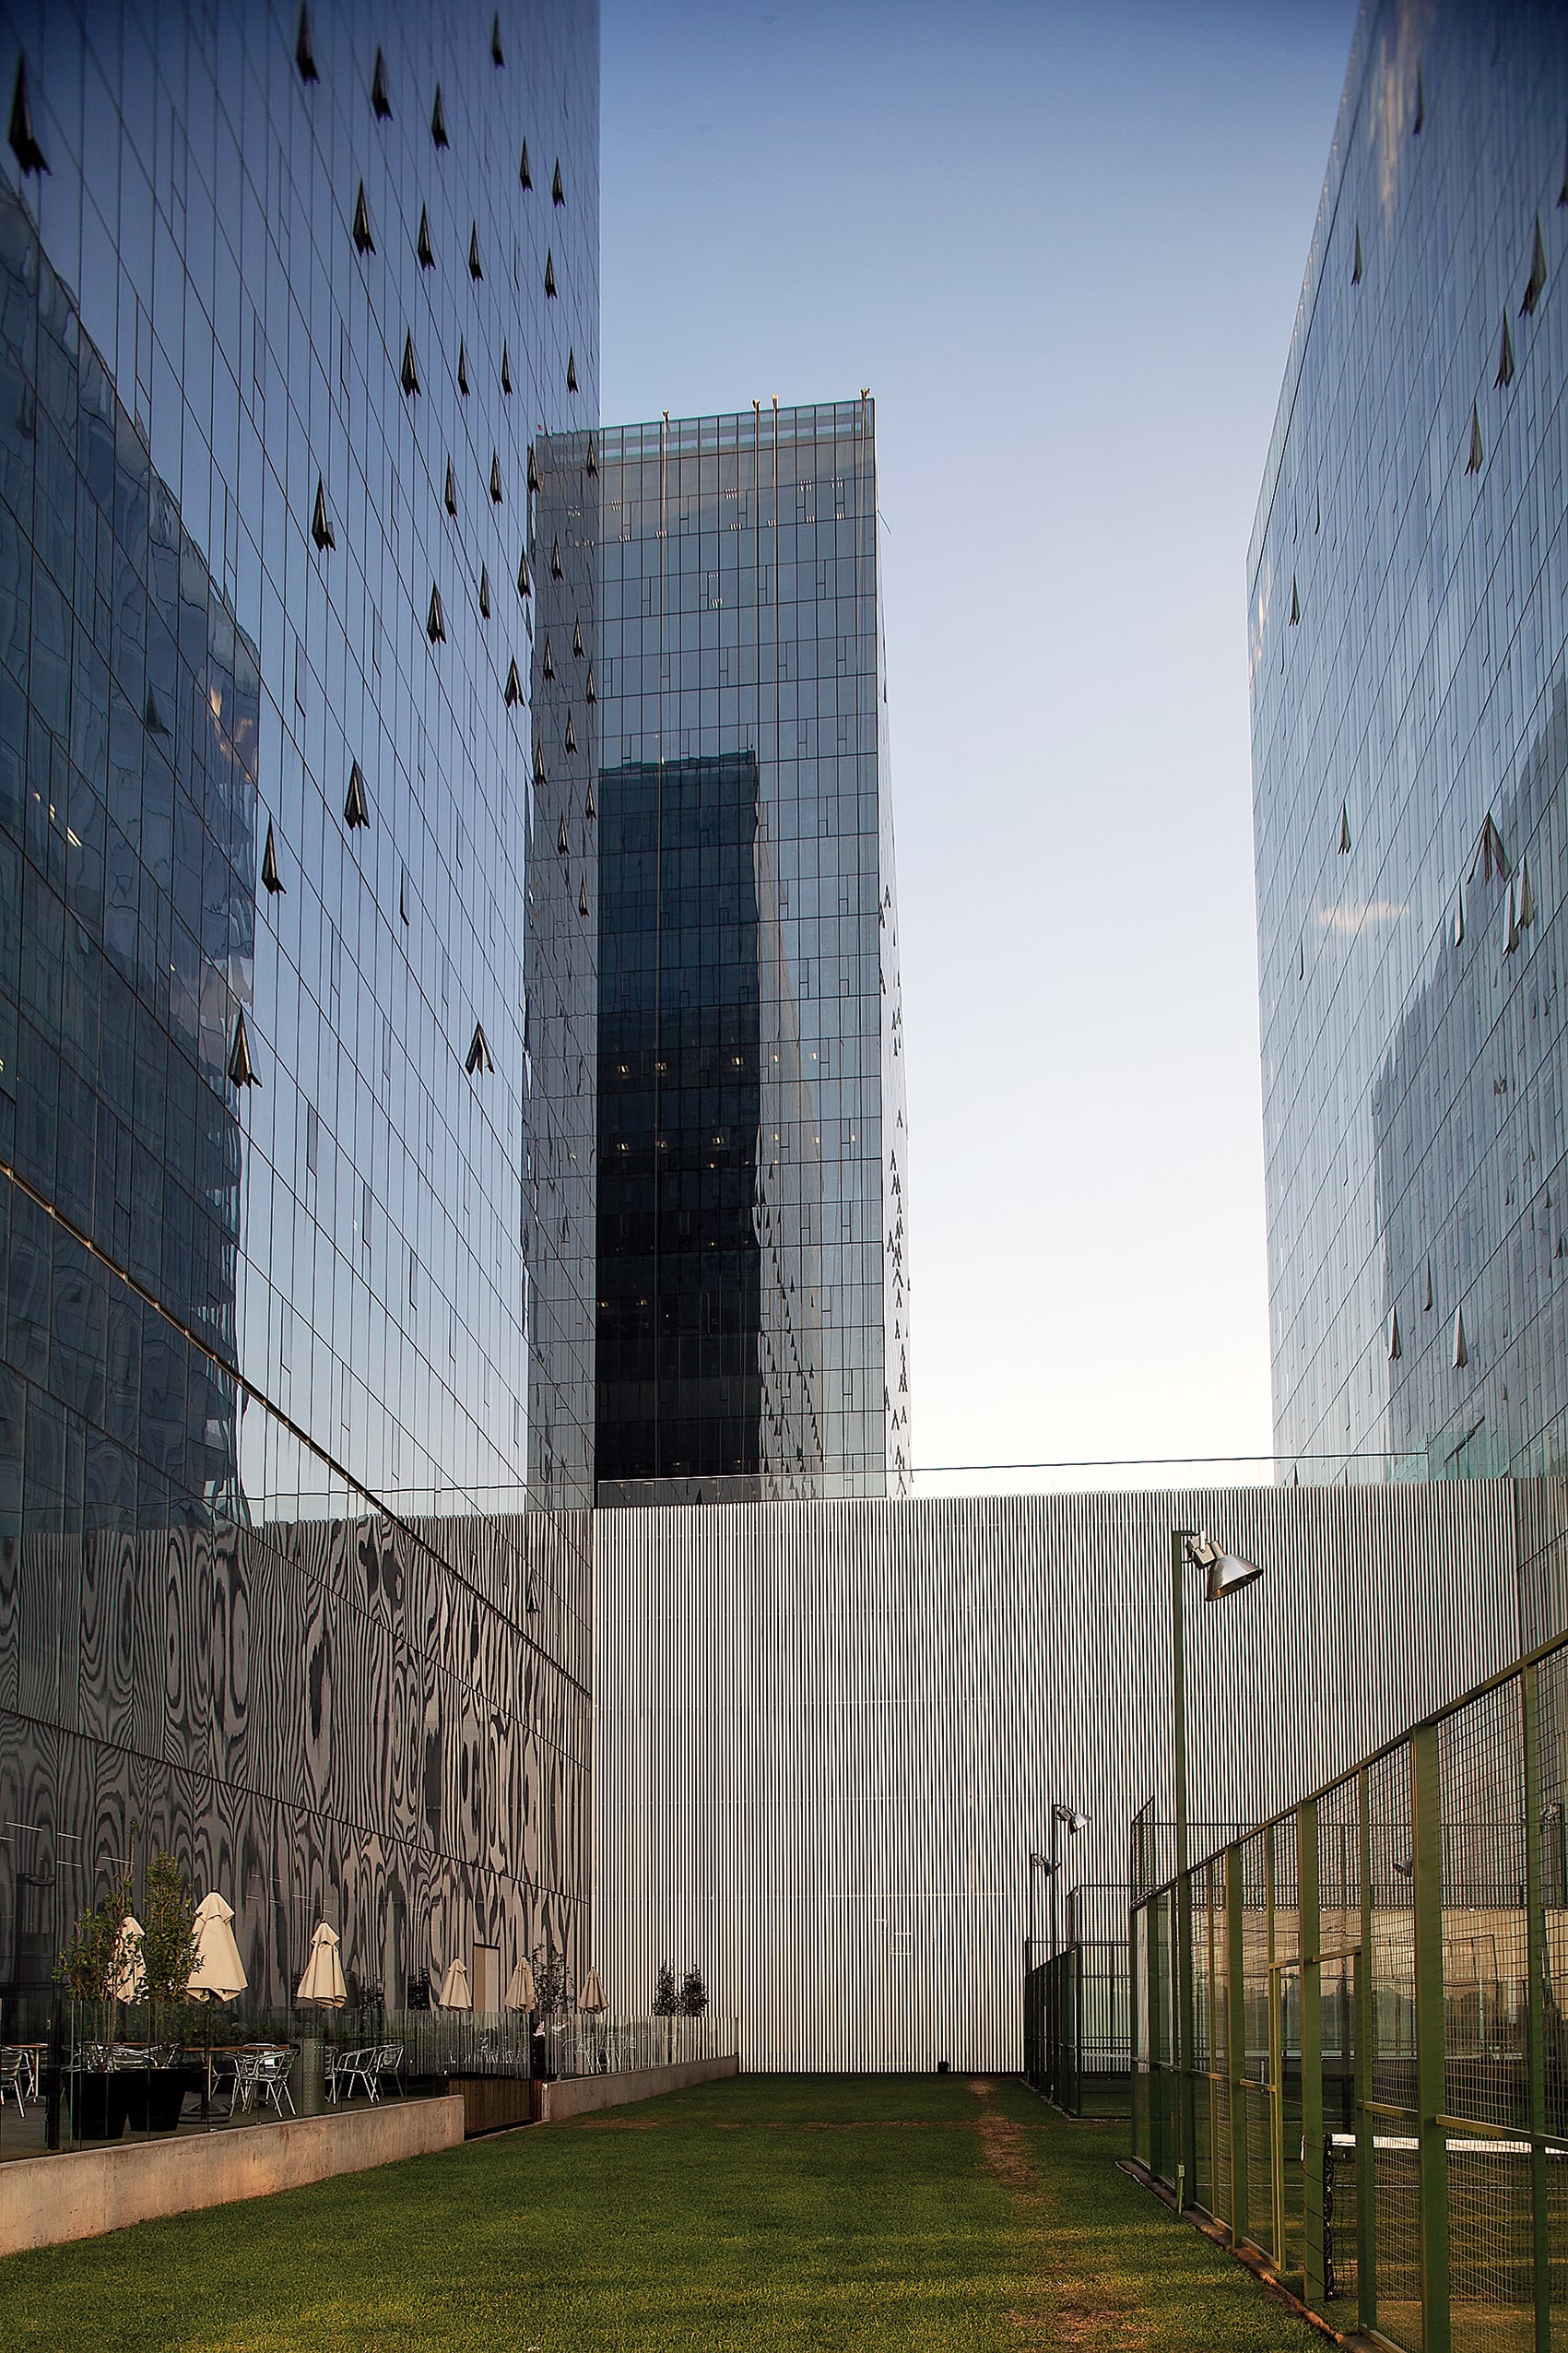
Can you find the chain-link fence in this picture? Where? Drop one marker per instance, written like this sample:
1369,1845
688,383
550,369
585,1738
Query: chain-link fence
1378,2095
1077,2048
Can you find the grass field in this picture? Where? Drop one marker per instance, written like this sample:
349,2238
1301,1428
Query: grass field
757,2214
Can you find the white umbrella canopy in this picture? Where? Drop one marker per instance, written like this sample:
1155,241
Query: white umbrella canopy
219,1973
322,1984
520,1992
130,1970
455,1994
592,1994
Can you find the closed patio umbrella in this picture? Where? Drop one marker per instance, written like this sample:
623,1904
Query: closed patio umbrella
219,1973
520,1995
130,1972
455,1994
592,1997
323,1983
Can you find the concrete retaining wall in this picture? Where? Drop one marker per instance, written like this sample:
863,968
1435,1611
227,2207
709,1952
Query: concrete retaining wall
79,2193
577,2095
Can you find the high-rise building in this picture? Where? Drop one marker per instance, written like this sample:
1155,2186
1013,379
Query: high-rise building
752,1279
1409,648
288,299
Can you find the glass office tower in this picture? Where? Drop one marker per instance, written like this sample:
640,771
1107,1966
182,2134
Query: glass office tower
287,302
753,1299
1409,648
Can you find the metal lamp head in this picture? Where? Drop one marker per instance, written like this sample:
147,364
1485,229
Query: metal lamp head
1226,1572
1070,1815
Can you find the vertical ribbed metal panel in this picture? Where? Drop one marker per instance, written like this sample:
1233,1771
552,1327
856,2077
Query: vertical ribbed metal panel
827,1736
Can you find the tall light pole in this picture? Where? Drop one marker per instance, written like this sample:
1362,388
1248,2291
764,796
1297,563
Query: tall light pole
1225,1573
1075,1821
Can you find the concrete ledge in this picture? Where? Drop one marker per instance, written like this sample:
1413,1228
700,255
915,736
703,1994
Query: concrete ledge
82,2193
577,2095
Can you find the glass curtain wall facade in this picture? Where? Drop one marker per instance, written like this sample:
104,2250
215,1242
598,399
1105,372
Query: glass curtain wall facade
752,1280
285,305
1409,651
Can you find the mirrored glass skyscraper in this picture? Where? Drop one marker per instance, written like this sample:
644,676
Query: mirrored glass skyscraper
1409,648
289,298
752,1302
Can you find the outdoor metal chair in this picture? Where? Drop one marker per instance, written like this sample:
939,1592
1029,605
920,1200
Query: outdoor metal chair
247,2079
389,2065
272,2071
14,2075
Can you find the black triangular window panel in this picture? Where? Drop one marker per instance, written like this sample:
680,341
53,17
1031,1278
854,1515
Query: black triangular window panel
558,186
24,146
153,718
1562,199
408,375
523,172
513,686
571,371
550,658
525,586
356,808
571,733
479,1053
451,488
1344,829
539,776
1505,357
588,808
379,98
1536,285
485,591
438,120
463,368
422,245
591,691
403,893
435,621
304,50
550,273
557,568
582,896
498,55
533,469
495,475
1295,606
242,1070
560,841
577,639
271,879
1478,454
592,461
505,369
474,268
364,240
321,522
1421,106
1356,272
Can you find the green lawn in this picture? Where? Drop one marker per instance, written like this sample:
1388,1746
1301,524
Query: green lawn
758,2214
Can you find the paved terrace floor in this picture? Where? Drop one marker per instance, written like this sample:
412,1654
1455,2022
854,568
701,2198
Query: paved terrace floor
758,2213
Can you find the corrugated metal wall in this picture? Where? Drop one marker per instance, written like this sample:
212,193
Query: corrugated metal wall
827,1736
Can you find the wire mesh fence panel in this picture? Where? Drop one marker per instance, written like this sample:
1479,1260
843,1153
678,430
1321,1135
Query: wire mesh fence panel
1340,1936
1203,2043
1285,2055
1557,2245
1392,2056
1257,2223
1552,1701
1490,2244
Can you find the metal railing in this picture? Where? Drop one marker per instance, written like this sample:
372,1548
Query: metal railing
581,2044
1378,2095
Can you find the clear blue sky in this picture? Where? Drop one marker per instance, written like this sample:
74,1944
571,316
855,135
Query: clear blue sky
1064,246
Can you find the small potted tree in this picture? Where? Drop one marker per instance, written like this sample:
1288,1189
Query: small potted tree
168,1954
87,1970
693,1994
667,2002
550,2001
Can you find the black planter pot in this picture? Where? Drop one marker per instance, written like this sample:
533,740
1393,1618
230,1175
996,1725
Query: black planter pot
99,2106
166,2089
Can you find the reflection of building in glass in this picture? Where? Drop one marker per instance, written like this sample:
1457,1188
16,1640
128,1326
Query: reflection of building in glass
709,1225
1409,668
276,348
753,1309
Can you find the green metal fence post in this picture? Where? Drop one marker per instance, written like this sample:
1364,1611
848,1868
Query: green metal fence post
1312,2046
1426,1826
1183,2038
1535,1932
1366,2154
1236,2054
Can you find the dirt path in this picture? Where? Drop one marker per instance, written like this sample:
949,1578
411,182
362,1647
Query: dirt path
1068,2307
